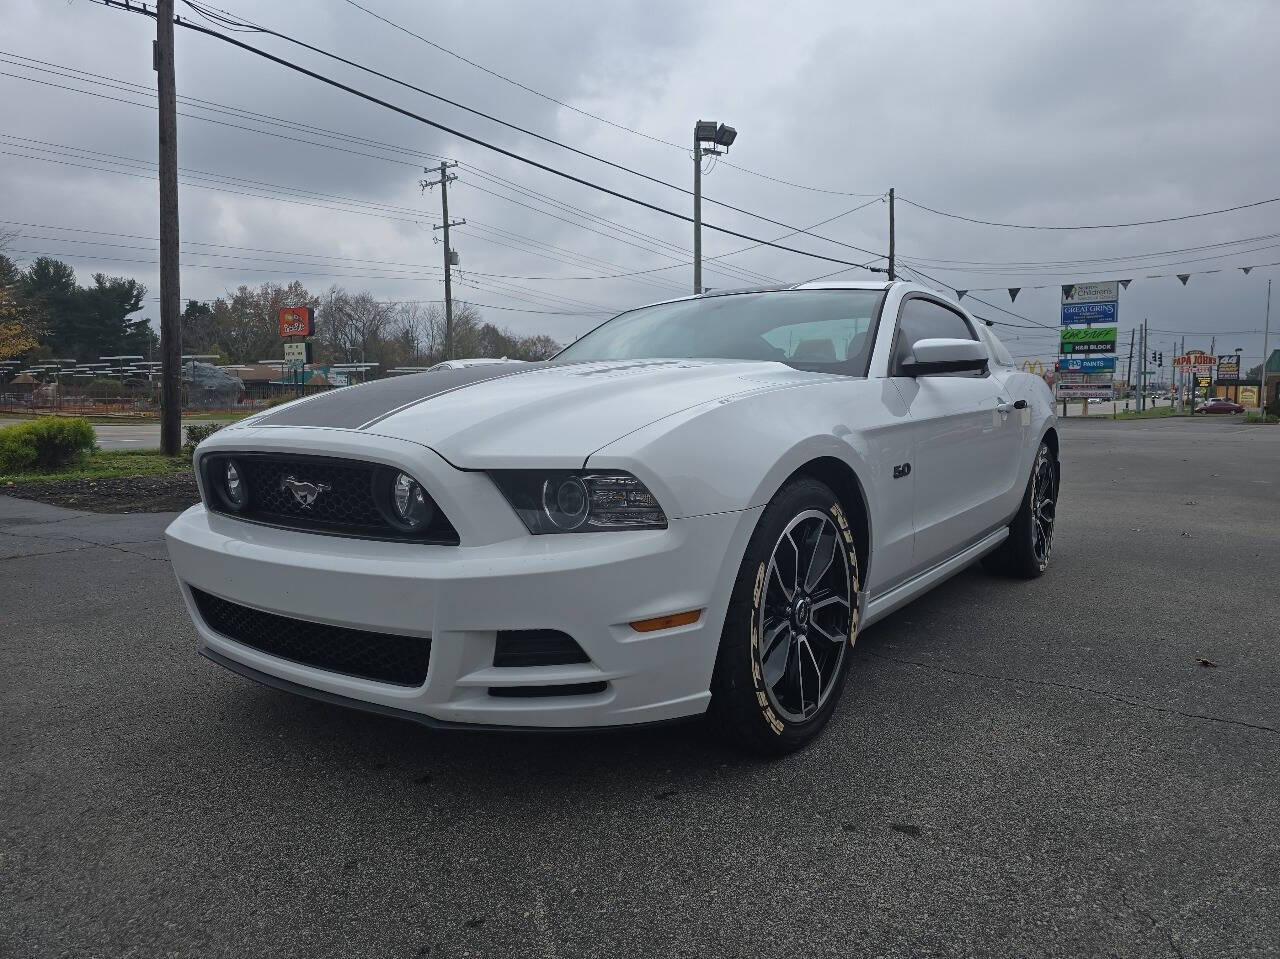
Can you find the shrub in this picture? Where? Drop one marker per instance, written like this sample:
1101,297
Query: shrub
45,444
197,433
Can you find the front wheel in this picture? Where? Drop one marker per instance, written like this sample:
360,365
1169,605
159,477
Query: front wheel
791,624
1025,553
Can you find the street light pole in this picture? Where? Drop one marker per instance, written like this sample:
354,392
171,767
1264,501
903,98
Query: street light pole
718,138
1266,334
697,211
892,238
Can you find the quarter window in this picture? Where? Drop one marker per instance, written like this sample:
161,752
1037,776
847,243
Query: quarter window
998,350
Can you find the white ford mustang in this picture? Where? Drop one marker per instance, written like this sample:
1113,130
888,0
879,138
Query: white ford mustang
692,509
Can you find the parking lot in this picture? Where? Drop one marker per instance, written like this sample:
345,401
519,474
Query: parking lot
1085,764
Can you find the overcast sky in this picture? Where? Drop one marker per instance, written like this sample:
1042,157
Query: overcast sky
1034,113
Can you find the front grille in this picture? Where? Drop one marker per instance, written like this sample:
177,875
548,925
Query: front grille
536,647
347,500
384,657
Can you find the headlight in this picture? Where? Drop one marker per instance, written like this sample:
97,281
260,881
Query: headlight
579,501
403,501
233,483
226,483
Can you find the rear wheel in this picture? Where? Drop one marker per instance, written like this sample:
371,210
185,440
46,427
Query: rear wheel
791,625
1026,552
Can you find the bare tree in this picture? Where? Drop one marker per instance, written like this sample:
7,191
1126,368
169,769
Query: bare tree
355,327
246,321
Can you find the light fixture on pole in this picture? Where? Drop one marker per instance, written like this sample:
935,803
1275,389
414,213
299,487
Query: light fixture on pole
709,139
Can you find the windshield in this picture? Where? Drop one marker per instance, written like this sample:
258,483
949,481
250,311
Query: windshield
824,331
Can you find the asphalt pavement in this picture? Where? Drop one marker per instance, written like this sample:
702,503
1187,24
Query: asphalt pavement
1045,768
133,436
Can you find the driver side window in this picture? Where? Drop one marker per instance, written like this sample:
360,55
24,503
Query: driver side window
921,319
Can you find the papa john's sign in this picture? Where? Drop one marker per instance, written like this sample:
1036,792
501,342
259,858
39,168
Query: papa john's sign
297,321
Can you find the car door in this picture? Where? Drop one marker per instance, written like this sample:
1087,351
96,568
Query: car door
963,437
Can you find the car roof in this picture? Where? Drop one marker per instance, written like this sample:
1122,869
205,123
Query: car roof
878,285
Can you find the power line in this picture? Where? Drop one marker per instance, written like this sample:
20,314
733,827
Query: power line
939,263
579,226
379,209
993,306
506,79
302,141
1160,265
210,266
115,159
192,116
1091,226
581,213
215,106
293,253
728,269
119,5
490,306
518,243
568,106
206,186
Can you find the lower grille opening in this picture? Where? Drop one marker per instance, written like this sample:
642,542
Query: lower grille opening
384,657
537,647
570,689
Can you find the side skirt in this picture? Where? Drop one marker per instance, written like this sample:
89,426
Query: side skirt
881,606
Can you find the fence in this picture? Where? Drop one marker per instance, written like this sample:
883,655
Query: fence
138,399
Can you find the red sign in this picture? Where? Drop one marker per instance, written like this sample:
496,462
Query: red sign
297,321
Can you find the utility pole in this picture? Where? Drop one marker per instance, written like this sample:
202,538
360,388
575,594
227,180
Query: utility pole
1142,398
449,257
1213,352
892,262
1266,335
1182,385
170,295
1128,376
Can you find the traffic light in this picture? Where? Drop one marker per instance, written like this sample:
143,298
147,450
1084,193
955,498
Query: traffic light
1160,359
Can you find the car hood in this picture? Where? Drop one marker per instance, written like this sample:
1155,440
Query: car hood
550,414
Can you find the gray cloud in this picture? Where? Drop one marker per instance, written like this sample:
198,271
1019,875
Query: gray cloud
1089,112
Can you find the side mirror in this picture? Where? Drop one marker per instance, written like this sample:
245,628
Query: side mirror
945,356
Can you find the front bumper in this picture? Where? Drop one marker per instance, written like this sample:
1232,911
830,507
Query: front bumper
590,586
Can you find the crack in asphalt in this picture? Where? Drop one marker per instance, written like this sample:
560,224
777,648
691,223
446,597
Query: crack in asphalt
88,544
1124,700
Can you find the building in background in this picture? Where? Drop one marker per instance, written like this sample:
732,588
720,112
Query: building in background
1271,379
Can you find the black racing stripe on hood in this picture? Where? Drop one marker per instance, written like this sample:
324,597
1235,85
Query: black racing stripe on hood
361,405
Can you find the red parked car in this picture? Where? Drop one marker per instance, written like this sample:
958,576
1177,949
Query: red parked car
1219,405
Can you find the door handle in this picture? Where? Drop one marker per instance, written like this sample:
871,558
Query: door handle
1003,409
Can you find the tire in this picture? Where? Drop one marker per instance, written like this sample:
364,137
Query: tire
1025,554
788,639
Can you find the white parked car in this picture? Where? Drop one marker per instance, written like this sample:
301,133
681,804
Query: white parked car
693,509
467,364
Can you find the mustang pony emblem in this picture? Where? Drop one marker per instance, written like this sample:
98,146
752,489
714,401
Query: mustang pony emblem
304,491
